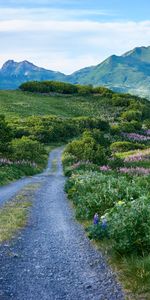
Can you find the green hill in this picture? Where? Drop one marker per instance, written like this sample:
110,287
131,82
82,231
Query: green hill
127,73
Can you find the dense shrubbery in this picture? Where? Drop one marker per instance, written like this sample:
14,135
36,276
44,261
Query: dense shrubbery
129,226
27,149
49,129
48,87
5,136
131,115
90,147
93,191
124,146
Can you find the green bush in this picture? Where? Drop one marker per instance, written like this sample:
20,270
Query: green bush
131,115
49,86
86,149
129,227
5,137
125,146
130,126
116,162
27,149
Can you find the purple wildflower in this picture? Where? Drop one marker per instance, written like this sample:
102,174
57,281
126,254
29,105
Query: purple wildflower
105,168
136,137
96,219
137,171
104,223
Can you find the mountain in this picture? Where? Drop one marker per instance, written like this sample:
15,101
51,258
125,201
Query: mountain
129,73
12,74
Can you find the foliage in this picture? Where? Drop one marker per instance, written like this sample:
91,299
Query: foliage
49,86
131,115
129,226
28,149
116,162
93,191
125,146
5,136
87,149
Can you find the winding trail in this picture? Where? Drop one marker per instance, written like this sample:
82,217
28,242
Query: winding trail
52,258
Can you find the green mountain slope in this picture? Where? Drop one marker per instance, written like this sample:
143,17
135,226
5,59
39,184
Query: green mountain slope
127,73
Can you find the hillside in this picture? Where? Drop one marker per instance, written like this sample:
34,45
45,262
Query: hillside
127,73
104,105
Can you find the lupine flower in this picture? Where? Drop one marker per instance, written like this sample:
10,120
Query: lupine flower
139,156
103,222
137,170
5,161
105,168
96,219
147,132
80,163
136,137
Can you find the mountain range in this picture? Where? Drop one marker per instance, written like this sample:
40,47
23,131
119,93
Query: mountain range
129,73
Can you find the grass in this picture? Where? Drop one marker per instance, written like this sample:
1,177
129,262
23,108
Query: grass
133,272
14,214
9,173
23,104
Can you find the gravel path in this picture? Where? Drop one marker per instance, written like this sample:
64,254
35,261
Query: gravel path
52,258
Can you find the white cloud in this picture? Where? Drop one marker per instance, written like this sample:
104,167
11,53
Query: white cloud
71,44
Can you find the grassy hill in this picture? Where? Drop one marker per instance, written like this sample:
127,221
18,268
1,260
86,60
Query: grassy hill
24,104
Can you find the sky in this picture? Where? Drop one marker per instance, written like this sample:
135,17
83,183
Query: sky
67,35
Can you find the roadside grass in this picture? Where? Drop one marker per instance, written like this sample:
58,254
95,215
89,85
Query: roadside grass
10,173
133,272
14,214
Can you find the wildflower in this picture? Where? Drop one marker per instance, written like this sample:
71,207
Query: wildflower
105,168
96,219
103,222
120,203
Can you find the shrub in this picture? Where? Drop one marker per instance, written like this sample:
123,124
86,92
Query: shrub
49,86
130,126
129,227
84,89
5,136
27,149
86,149
131,115
125,146
116,162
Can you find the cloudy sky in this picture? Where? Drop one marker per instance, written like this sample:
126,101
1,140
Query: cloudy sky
67,35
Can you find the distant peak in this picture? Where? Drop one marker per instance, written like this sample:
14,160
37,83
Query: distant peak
9,63
137,50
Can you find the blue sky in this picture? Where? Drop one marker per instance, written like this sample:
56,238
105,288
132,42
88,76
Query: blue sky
67,35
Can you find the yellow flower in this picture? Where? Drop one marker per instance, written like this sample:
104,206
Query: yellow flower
120,203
